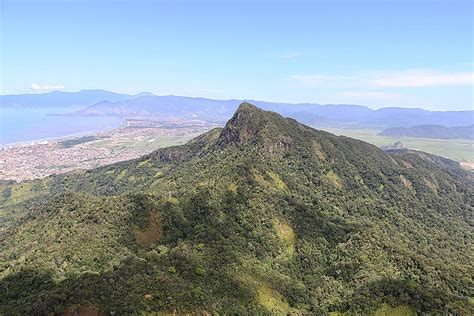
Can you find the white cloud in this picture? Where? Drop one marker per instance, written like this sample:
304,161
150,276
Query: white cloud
372,95
288,55
394,79
45,87
422,78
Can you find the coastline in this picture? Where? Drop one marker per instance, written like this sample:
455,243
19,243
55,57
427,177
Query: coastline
47,140
40,158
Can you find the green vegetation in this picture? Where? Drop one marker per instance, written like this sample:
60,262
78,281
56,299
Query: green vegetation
146,143
271,300
263,216
76,141
334,179
431,131
456,149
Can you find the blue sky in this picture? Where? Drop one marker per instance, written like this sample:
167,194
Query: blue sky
376,53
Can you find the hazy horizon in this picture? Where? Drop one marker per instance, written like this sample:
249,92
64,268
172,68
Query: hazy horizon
142,93
377,54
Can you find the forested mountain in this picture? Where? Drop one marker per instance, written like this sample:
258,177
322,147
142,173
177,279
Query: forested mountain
60,99
263,216
431,131
342,115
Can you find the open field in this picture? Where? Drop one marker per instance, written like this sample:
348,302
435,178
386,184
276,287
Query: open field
148,143
461,150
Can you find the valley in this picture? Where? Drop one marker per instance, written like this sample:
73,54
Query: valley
461,150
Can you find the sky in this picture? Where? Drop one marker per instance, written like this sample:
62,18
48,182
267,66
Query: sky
375,53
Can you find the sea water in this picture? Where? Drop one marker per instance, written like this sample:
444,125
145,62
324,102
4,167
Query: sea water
24,125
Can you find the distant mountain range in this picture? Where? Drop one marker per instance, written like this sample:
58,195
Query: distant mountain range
342,115
431,131
60,99
105,103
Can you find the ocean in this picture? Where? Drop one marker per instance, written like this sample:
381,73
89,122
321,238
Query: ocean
25,125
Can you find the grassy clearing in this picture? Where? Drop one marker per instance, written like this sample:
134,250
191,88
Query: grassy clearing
277,181
152,233
21,192
271,300
401,310
265,295
319,151
334,179
385,310
270,180
287,236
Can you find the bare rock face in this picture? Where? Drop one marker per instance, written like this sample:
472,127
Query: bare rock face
173,155
230,136
251,124
279,146
243,126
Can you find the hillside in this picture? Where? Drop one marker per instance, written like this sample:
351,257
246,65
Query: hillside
263,216
341,115
431,131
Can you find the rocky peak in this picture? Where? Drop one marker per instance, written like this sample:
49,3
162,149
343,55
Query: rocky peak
246,122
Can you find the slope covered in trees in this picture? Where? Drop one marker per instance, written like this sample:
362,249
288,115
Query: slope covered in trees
265,215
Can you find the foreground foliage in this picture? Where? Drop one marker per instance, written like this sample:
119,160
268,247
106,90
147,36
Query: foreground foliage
265,215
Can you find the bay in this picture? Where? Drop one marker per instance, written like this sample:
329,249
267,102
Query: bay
25,125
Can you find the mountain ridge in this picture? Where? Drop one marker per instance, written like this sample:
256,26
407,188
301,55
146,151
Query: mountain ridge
61,99
310,113
172,107
234,222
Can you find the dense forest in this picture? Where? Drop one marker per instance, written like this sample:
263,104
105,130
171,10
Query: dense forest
263,216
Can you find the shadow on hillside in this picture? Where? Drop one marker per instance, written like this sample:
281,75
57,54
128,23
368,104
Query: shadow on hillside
134,286
421,298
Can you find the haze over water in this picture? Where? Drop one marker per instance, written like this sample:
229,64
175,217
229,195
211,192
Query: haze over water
22,125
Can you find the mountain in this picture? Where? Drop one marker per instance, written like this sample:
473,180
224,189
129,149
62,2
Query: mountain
265,215
431,131
165,107
340,115
59,99
106,103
